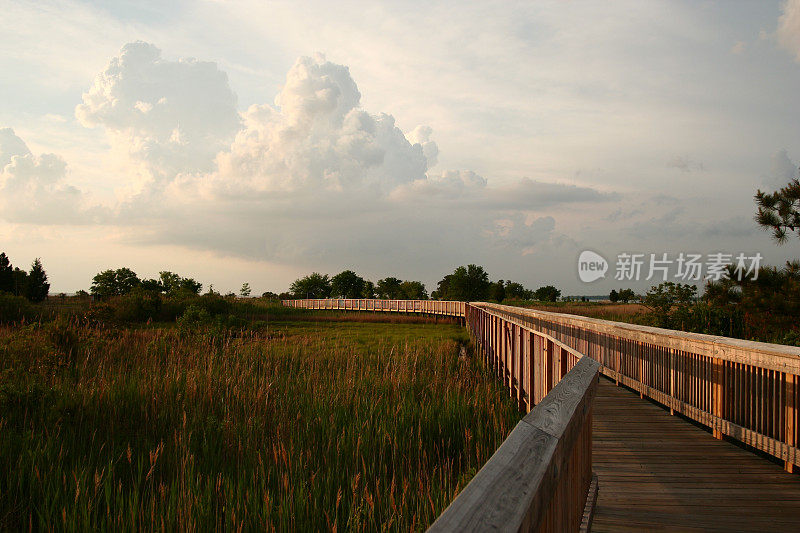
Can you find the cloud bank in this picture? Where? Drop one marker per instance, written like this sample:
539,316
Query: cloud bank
312,178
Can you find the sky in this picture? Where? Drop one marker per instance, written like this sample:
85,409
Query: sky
244,141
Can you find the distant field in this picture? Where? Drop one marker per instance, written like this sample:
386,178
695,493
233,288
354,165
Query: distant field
299,424
630,312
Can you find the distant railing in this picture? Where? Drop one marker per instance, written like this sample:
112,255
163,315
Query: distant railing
434,307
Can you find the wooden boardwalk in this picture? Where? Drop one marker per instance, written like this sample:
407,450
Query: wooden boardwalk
656,472
659,472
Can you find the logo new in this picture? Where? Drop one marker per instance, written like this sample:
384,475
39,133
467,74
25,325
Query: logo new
591,266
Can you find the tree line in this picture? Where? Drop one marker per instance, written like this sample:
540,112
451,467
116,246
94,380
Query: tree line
31,284
467,283
348,284
122,281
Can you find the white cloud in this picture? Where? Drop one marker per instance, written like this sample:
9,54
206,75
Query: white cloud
313,180
32,187
422,135
10,146
316,178
788,32
318,138
168,116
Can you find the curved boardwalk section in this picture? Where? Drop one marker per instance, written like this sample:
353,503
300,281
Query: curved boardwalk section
659,472
655,471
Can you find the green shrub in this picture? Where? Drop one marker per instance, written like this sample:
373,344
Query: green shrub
137,306
14,308
213,304
193,317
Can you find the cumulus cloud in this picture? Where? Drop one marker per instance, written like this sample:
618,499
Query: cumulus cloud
10,146
311,178
422,135
316,178
32,187
169,116
318,138
788,32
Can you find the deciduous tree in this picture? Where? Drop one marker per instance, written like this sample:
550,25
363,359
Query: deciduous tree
467,284
413,290
389,288
548,293
315,285
347,284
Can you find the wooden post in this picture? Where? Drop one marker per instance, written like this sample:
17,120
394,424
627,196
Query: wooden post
524,371
548,365
495,358
791,415
718,394
672,381
536,360
639,354
531,369
512,360
521,370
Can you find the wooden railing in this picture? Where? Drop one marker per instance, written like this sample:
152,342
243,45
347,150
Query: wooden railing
539,478
743,389
433,307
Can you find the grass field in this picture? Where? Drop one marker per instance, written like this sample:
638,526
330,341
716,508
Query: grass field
618,312
300,424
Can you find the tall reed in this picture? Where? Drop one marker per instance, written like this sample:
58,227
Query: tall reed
305,426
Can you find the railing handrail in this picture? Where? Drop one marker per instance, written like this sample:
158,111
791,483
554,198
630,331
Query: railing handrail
438,307
746,390
513,489
784,358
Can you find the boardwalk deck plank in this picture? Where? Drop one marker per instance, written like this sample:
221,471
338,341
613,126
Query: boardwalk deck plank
657,472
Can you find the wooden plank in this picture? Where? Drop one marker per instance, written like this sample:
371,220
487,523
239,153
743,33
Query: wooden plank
657,472
745,435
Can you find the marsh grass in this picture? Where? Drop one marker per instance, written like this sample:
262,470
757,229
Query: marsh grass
618,312
299,425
